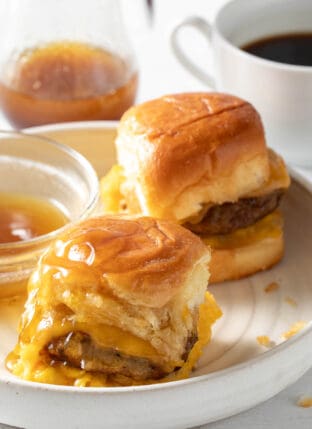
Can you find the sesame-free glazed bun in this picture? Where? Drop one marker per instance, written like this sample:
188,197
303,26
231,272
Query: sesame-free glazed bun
142,260
116,301
241,262
181,151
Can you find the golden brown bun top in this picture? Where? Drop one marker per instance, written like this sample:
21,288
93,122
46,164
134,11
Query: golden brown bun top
210,144
142,260
167,114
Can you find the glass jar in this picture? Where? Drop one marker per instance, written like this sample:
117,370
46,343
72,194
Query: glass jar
64,60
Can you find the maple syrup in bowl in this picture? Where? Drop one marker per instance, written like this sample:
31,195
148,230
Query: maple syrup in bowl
44,188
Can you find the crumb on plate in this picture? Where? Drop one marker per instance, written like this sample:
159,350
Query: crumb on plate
305,402
265,341
291,301
294,329
271,287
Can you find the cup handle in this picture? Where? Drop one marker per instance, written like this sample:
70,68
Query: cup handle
204,28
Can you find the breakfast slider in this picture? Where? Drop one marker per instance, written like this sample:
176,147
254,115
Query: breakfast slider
200,159
116,301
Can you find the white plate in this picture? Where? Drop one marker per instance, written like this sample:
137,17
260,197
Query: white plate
235,372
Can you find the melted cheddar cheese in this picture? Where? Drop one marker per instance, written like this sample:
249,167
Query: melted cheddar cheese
209,312
29,362
271,226
110,186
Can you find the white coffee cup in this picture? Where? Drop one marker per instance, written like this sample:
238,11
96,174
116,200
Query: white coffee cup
282,93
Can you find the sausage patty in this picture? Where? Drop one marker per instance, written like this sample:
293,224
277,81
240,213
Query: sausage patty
227,217
80,351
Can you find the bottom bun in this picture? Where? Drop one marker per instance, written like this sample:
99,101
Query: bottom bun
248,250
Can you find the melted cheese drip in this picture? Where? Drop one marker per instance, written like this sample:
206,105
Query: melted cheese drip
271,226
27,360
209,312
110,189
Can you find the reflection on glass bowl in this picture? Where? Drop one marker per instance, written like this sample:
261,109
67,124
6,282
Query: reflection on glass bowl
38,168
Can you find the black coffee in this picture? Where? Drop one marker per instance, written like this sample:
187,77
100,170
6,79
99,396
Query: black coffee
286,48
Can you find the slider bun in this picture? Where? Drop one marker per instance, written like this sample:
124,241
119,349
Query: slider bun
143,261
234,264
183,150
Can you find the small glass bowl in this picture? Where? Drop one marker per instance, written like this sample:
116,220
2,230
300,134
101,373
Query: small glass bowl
39,167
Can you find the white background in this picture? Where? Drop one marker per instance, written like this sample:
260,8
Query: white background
160,73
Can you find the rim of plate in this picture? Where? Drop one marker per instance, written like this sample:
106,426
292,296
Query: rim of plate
280,348
71,125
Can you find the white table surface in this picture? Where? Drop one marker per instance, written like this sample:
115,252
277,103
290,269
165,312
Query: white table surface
161,74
